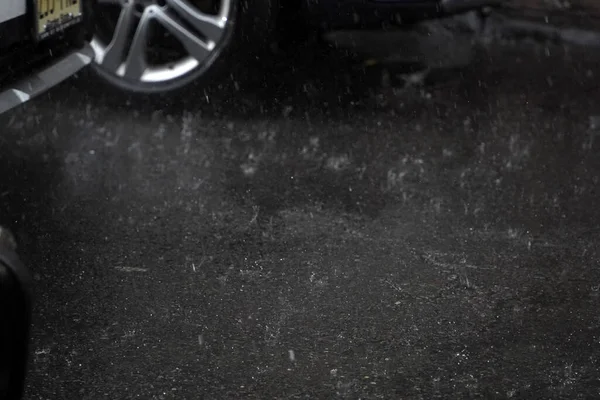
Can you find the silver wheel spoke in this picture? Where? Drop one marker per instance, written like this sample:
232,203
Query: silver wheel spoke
210,26
115,51
192,43
135,64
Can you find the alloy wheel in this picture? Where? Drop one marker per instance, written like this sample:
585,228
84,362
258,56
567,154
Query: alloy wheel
158,45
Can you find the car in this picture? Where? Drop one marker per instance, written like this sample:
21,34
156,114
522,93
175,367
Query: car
40,46
156,46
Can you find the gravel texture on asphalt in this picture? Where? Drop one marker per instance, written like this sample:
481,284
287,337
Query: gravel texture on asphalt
320,235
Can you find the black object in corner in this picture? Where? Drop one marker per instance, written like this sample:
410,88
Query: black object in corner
15,321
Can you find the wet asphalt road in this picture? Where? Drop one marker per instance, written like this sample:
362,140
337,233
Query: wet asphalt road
320,236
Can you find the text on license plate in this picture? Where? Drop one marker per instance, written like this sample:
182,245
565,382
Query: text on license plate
54,16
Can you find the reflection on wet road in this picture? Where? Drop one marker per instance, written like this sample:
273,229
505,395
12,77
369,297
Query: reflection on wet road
321,236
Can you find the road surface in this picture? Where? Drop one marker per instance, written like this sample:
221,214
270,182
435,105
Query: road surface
318,236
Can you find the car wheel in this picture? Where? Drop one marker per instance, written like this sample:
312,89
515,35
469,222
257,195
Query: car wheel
156,46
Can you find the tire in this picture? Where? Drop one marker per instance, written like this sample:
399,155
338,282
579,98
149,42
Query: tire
246,39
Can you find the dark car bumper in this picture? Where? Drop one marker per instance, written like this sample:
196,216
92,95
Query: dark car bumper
49,73
29,66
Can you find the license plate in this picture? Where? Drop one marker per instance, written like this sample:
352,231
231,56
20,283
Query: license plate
54,16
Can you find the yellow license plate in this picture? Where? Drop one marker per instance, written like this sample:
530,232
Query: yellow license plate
54,16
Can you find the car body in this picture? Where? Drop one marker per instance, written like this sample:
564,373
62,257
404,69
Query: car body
43,42
204,40
200,41
39,47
